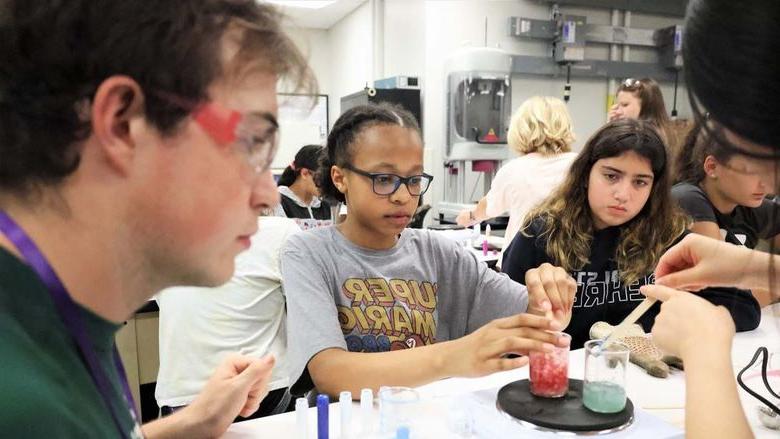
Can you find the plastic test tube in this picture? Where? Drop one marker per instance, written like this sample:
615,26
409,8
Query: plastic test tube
366,408
382,409
345,407
301,417
485,241
322,416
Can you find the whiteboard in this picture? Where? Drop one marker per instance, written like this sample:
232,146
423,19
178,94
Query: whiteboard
300,124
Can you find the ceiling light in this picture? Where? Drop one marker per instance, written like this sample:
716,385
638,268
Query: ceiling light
307,4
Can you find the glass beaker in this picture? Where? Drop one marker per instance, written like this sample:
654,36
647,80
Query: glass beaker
604,389
549,371
398,407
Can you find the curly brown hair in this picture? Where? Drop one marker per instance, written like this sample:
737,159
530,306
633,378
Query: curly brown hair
567,220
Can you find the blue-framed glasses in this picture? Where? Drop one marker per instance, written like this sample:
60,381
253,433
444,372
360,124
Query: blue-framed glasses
387,184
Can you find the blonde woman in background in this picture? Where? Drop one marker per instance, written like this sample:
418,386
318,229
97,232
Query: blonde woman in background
541,132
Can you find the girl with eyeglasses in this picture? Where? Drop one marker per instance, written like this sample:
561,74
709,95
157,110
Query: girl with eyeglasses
300,196
607,225
360,294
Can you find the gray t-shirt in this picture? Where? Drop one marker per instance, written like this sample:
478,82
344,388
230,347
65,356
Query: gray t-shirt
423,290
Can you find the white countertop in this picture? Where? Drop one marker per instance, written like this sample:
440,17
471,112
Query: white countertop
444,404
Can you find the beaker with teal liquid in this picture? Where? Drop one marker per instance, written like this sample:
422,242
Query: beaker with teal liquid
604,387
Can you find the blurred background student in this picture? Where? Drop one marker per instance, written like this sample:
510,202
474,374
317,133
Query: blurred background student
642,99
300,197
540,131
199,327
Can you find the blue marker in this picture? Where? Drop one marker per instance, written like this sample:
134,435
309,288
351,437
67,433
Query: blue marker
322,416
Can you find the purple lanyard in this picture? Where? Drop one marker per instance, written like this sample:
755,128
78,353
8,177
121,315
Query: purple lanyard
69,313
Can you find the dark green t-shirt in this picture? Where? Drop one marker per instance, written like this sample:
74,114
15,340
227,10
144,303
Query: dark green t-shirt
46,390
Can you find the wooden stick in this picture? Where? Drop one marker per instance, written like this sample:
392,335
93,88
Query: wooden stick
629,320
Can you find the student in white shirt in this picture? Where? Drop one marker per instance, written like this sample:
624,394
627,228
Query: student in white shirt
201,326
541,132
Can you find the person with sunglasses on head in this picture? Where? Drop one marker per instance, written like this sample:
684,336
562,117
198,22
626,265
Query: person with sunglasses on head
734,81
300,196
642,99
371,302
135,149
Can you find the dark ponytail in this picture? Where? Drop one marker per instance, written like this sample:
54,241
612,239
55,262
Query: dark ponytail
346,129
699,144
685,166
308,157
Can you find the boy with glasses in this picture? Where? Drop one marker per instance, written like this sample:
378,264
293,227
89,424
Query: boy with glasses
135,147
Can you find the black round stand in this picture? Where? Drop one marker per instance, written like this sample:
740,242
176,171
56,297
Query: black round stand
564,413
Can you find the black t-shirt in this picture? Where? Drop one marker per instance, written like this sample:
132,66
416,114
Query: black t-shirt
601,295
743,226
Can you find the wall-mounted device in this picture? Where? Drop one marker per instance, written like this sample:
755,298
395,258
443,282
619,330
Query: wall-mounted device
398,82
570,34
479,97
408,98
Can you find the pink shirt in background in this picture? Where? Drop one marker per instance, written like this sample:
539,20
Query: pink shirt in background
521,184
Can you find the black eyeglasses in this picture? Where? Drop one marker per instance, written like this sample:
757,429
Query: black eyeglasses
387,184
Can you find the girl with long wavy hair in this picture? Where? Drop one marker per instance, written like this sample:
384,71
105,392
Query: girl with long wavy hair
608,225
